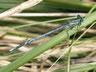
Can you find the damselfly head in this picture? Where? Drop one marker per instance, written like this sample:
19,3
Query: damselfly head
81,18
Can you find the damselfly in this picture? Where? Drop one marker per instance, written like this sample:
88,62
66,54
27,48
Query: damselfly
71,24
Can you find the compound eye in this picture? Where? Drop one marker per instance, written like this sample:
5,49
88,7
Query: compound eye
81,18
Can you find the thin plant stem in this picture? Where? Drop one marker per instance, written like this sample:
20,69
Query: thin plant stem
26,25
69,53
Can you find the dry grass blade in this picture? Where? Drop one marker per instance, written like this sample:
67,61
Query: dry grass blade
19,8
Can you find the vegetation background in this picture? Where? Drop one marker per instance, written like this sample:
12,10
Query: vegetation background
22,20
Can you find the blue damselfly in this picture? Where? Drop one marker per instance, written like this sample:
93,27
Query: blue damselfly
70,24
